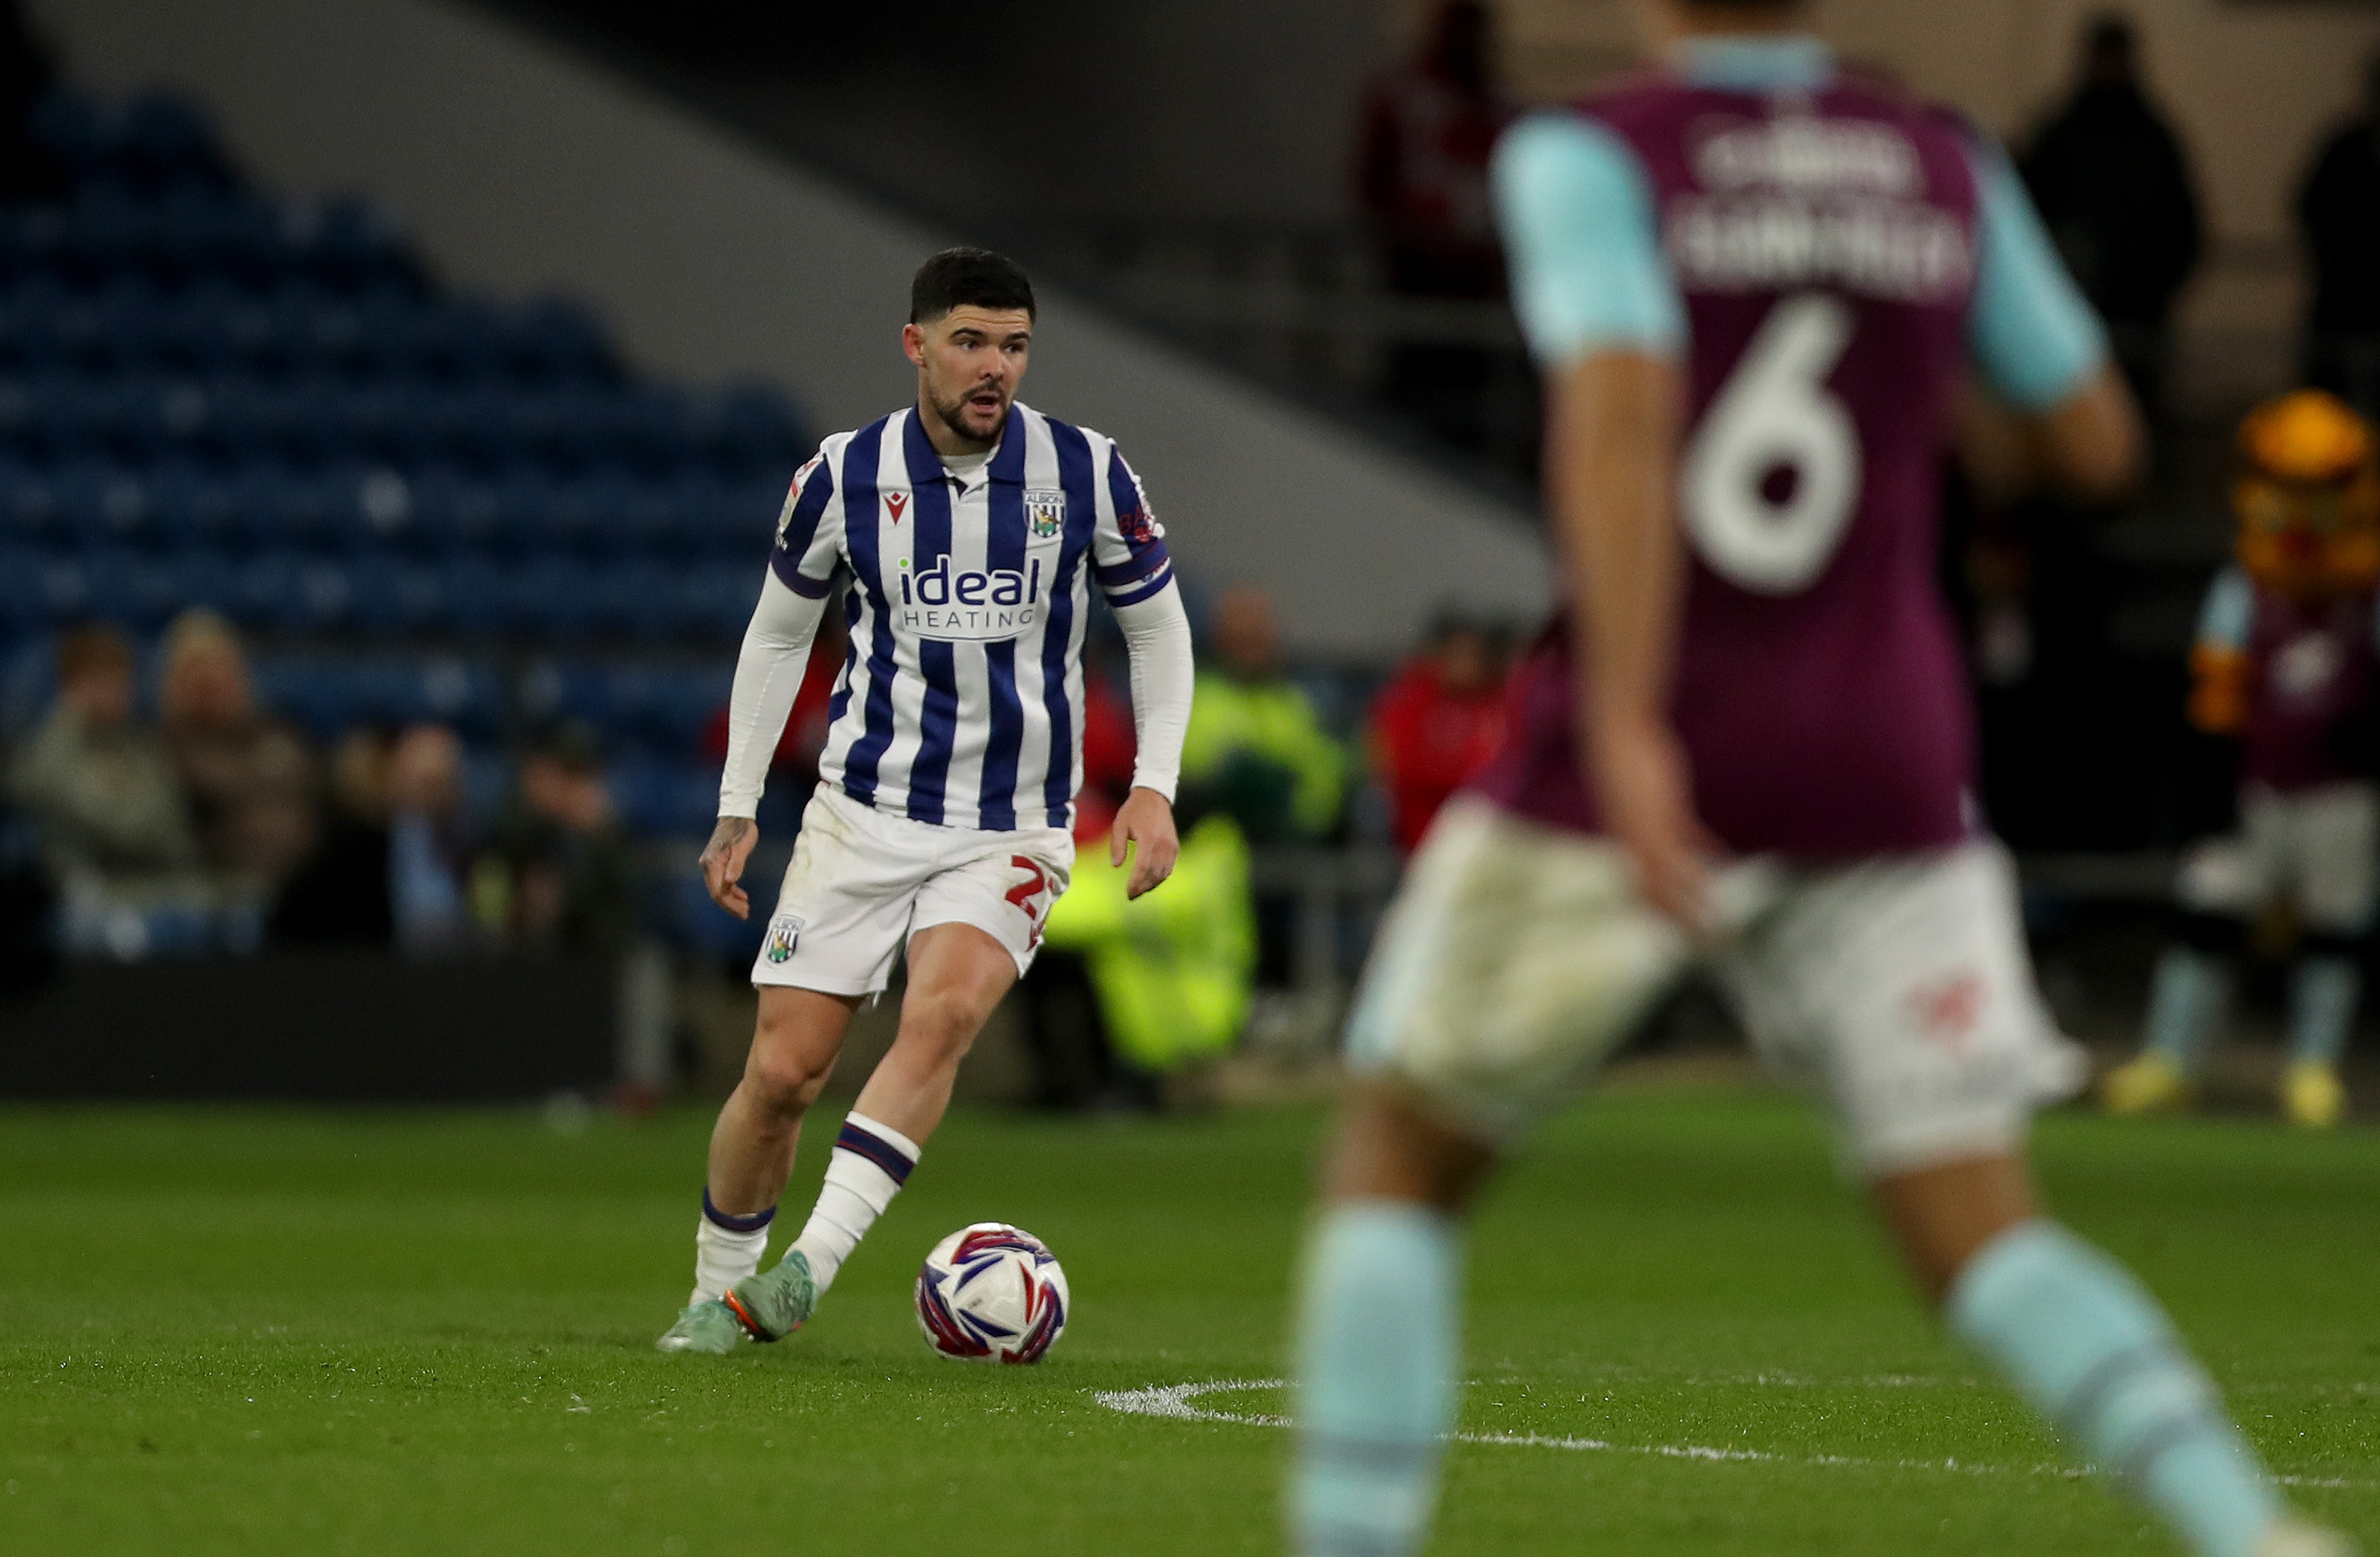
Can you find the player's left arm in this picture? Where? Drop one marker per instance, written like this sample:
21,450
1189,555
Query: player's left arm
2042,351
1130,562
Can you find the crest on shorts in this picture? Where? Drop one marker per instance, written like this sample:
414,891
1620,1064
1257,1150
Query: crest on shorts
1045,510
785,934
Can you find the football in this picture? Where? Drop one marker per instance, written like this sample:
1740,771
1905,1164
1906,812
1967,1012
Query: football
991,1293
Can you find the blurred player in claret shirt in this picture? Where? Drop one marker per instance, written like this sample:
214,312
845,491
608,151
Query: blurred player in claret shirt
1756,284
2285,662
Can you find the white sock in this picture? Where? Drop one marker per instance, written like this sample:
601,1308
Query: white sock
871,1161
726,1248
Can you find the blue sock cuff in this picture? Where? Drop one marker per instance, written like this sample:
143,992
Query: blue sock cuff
867,1143
718,1218
2008,1276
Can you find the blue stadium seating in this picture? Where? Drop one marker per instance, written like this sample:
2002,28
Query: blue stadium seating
213,396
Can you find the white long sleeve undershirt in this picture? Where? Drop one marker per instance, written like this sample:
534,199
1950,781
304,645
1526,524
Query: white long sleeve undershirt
776,652
769,671
1157,632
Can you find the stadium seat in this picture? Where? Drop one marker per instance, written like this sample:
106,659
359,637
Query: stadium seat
477,601
661,798
210,395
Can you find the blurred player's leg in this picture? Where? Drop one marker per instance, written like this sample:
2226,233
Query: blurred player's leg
957,974
1379,1332
2189,993
793,1045
2222,883
2088,1347
2323,994
1513,958
1908,981
2337,837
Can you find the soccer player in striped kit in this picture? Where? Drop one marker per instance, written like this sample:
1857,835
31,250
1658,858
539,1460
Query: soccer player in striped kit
967,531
1755,284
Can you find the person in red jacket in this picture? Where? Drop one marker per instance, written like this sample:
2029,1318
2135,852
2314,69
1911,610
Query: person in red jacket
1437,722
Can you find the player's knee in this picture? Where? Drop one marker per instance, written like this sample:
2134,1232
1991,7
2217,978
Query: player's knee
943,1022
786,1072
783,1083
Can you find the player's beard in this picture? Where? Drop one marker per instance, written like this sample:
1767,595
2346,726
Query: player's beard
954,414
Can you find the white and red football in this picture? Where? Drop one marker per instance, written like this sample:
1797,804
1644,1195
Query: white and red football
991,1293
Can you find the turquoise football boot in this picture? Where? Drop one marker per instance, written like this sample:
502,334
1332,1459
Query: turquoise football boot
708,1326
773,1304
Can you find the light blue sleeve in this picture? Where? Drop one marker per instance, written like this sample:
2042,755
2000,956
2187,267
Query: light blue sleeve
2030,329
1582,243
2230,609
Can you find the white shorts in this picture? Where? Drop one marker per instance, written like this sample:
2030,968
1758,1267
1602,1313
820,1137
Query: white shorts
2314,847
862,881
1516,958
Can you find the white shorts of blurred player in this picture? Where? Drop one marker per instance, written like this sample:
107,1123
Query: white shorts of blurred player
1517,957
862,882
2313,848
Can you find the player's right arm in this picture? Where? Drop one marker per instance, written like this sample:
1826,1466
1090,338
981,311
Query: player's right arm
769,671
2041,349
1605,322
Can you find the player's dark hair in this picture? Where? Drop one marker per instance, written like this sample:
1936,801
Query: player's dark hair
968,278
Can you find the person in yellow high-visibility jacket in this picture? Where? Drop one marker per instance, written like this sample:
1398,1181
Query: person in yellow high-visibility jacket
1255,746
1172,971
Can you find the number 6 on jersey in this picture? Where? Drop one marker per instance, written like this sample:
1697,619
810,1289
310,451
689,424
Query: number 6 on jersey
1774,417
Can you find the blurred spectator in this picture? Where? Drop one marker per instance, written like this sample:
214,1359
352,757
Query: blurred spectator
1437,722
1170,972
2114,188
1256,752
2338,207
105,806
426,857
249,778
568,877
340,895
1255,749
1429,128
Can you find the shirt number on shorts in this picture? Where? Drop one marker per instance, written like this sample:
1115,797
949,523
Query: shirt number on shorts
1774,470
1025,892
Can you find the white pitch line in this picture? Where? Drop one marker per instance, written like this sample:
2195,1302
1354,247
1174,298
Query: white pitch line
1173,1402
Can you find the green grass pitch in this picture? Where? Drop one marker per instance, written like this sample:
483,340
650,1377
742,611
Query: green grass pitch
262,1332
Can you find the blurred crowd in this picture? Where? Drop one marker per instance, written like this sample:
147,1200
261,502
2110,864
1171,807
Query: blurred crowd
196,819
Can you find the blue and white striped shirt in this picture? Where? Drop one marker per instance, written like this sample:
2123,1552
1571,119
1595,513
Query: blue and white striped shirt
961,697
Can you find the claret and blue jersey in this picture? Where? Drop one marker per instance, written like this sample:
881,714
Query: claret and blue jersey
961,698
1824,258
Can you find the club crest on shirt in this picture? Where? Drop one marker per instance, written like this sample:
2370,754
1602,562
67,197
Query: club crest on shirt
1045,510
785,934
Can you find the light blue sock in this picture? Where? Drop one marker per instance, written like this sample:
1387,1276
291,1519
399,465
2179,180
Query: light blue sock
2322,1008
2187,994
2094,1354
1376,1357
